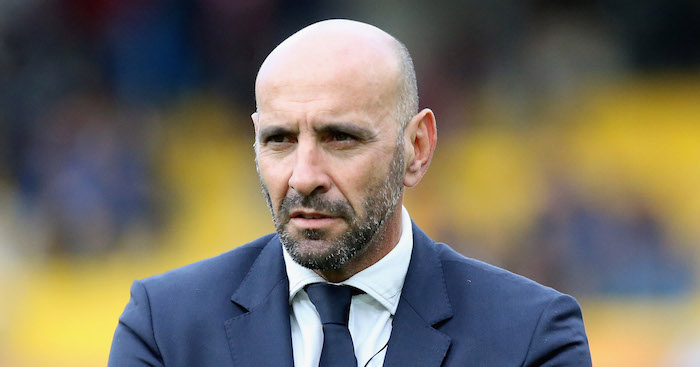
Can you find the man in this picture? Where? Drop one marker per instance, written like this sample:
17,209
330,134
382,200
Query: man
338,136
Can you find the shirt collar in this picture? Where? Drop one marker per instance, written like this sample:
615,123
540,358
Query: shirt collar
382,280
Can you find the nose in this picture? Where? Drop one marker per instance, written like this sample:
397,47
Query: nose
309,172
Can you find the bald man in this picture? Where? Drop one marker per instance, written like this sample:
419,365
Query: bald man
338,137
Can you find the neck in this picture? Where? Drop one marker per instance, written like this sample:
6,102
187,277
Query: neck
382,243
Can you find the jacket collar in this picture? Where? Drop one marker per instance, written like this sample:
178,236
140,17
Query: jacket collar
263,333
424,303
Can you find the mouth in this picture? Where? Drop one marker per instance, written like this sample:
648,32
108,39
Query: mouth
311,219
309,215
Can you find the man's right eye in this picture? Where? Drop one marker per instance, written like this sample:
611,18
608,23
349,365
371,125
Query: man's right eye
277,139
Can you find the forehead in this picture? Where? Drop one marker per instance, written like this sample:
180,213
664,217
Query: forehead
318,92
331,71
327,92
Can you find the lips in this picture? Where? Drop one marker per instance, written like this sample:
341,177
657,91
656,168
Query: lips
310,215
312,220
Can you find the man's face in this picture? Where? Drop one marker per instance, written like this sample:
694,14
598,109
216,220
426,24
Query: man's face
331,163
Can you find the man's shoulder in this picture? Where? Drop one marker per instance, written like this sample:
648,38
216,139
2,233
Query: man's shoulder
468,267
482,285
518,317
229,267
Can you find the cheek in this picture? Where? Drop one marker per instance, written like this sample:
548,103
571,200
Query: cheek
356,179
276,178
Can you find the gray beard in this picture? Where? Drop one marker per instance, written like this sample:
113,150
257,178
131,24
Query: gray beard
363,232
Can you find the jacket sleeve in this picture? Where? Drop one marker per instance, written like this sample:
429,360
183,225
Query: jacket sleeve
559,338
134,341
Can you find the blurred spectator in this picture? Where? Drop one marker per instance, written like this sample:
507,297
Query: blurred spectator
588,249
86,172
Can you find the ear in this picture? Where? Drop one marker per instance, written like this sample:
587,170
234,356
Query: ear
255,117
421,133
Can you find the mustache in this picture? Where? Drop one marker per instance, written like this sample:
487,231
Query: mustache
316,202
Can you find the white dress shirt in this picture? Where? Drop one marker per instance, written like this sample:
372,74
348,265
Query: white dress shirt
371,313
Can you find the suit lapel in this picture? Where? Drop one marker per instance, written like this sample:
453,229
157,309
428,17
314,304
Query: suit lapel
424,303
262,335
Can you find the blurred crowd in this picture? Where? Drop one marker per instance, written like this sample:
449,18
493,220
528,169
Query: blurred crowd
93,90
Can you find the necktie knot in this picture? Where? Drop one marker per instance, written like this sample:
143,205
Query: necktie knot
332,302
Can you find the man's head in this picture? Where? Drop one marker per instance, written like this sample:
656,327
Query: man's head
338,135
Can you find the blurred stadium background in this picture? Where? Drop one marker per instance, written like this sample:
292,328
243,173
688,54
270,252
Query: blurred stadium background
569,151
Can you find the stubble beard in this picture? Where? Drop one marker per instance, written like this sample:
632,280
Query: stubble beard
315,248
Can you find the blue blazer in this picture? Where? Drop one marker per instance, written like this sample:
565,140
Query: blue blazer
233,310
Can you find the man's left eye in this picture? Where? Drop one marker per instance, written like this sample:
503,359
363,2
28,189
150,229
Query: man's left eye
342,137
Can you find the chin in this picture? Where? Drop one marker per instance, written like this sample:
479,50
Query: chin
320,254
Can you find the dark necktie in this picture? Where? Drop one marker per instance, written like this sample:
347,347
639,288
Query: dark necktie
333,305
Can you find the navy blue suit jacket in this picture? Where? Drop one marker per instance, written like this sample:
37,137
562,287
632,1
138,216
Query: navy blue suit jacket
233,310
